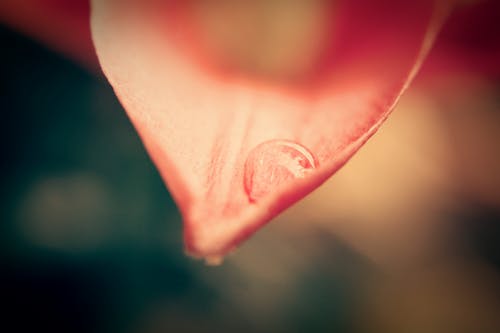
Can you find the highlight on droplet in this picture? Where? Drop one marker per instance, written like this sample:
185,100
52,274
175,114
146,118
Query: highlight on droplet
273,164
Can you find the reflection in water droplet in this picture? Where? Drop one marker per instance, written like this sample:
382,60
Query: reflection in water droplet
273,164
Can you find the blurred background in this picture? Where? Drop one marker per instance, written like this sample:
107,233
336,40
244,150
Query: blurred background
404,238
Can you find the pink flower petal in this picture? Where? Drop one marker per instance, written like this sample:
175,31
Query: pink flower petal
235,149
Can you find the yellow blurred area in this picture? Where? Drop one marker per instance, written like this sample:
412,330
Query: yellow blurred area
437,151
274,38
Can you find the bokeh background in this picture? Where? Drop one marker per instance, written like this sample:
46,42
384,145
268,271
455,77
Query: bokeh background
405,238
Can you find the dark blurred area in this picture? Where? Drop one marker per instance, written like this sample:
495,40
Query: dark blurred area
85,246
406,238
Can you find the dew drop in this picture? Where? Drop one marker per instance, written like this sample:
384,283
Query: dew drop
214,260
273,164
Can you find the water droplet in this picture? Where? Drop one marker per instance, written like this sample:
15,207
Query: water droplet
274,163
214,260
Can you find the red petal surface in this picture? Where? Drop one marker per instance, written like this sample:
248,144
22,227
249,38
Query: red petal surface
235,149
